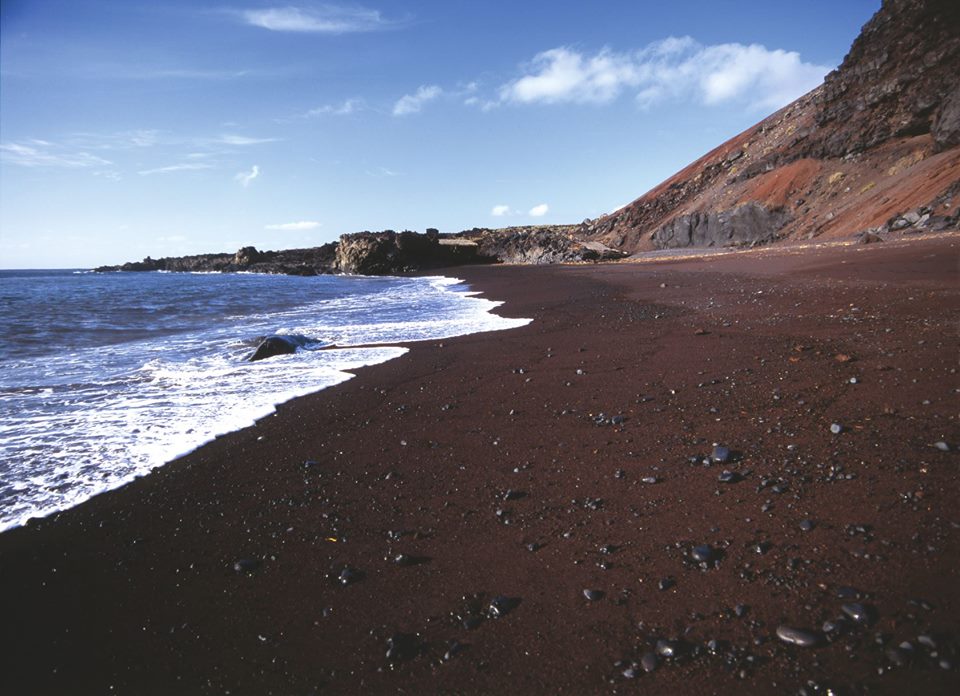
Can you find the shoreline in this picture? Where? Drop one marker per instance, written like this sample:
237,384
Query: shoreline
464,454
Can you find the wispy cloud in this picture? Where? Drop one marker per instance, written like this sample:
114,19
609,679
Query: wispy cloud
246,178
501,211
674,68
345,108
183,167
413,103
241,140
294,226
383,172
42,153
318,19
539,210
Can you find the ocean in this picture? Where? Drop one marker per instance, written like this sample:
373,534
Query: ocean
104,377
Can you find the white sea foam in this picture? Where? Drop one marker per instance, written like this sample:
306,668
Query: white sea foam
79,423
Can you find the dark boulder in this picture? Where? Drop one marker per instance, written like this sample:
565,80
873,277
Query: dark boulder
275,345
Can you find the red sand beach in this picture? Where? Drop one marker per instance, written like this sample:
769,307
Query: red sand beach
537,510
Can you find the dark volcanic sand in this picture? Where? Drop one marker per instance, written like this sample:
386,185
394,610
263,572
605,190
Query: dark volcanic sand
135,592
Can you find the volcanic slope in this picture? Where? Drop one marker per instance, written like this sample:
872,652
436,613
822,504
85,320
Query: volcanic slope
875,147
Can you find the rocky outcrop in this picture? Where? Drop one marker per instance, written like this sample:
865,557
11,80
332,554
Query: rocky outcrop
389,252
314,261
746,225
894,82
537,245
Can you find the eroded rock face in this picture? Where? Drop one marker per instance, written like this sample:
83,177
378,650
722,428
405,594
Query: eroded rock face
746,225
895,80
946,127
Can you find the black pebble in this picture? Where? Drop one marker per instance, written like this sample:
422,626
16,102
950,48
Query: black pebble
703,553
246,565
797,636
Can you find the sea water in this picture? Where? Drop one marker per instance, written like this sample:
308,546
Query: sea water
104,377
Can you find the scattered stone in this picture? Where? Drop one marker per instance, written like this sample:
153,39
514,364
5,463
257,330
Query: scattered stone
728,477
666,583
649,479
649,662
741,610
666,648
402,646
593,595
859,613
703,553
927,642
246,565
349,576
720,454
797,636
454,647
807,525
701,332
942,446
836,428
501,605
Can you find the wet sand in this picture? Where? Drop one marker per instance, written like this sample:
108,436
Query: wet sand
452,506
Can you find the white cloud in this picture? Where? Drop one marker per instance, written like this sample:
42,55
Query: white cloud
322,19
413,103
674,68
294,226
563,75
246,178
346,108
41,153
539,210
243,140
501,211
184,167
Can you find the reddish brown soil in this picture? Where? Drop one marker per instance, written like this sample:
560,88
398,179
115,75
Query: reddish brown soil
134,591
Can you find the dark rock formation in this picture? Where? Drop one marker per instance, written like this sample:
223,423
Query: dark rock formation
277,345
894,82
290,262
537,245
746,225
389,252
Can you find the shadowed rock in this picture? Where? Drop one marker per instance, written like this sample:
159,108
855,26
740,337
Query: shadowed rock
274,345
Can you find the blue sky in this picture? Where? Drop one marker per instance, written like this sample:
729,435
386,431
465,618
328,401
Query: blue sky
132,128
